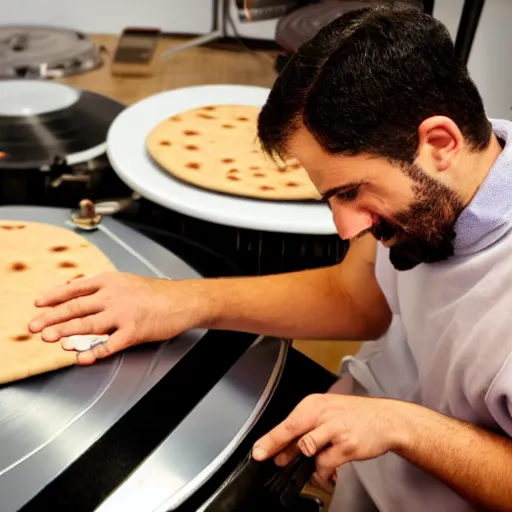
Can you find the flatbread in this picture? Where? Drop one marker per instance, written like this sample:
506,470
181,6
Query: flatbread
35,257
216,148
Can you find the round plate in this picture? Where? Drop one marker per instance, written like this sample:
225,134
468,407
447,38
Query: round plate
126,150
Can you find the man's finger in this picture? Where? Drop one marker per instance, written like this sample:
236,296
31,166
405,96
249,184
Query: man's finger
328,460
317,439
65,292
92,324
291,452
74,308
116,342
322,483
300,421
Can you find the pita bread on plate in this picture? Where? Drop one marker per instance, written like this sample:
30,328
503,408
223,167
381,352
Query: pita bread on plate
216,148
35,257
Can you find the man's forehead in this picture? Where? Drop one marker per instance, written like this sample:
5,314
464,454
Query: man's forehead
302,142
328,170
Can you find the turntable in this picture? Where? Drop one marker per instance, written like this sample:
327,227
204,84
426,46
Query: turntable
303,23
159,427
260,236
45,52
53,144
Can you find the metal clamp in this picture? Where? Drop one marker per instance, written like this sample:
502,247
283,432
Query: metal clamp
86,218
90,214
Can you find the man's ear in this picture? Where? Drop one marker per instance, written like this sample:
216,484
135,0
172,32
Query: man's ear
439,143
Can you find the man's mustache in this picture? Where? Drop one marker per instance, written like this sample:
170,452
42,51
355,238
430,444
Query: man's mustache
382,231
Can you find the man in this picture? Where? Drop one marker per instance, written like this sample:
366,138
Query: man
394,135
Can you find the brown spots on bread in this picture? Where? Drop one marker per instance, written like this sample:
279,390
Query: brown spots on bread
175,119
67,264
11,227
165,143
78,276
59,248
22,337
18,266
216,147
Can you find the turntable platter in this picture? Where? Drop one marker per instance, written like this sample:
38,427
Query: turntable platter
49,420
45,52
42,123
35,411
301,25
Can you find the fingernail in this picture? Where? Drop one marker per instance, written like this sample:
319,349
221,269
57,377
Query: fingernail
34,326
259,454
49,335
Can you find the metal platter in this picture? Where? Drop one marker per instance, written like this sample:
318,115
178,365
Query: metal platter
53,144
45,52
48,420
304,23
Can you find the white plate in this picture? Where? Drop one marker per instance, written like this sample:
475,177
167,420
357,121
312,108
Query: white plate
126,151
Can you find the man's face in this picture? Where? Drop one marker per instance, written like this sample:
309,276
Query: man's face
404,207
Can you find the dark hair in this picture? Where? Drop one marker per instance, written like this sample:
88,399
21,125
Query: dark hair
365,83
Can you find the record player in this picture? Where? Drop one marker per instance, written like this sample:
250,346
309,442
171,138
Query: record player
158,427
53,144
261,236
303,23
46,52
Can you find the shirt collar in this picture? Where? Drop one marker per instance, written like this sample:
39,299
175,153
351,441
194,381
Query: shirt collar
488,216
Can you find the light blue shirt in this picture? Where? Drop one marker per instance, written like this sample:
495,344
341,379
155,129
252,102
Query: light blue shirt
449,346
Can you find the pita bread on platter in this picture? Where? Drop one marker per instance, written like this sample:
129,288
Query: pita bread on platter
35,257
216,148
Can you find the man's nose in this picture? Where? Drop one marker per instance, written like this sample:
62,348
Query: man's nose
350,222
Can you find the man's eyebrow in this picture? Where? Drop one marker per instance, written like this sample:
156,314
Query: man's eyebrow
342,188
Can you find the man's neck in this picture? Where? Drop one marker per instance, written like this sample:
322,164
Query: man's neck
479,166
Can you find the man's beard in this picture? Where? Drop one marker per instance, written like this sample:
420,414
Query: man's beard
425,231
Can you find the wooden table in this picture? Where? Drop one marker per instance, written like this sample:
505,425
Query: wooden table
195,66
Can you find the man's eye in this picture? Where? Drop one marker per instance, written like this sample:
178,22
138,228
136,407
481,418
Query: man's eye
348,195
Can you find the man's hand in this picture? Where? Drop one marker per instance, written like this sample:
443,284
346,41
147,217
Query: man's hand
336,429
475,463
130,308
